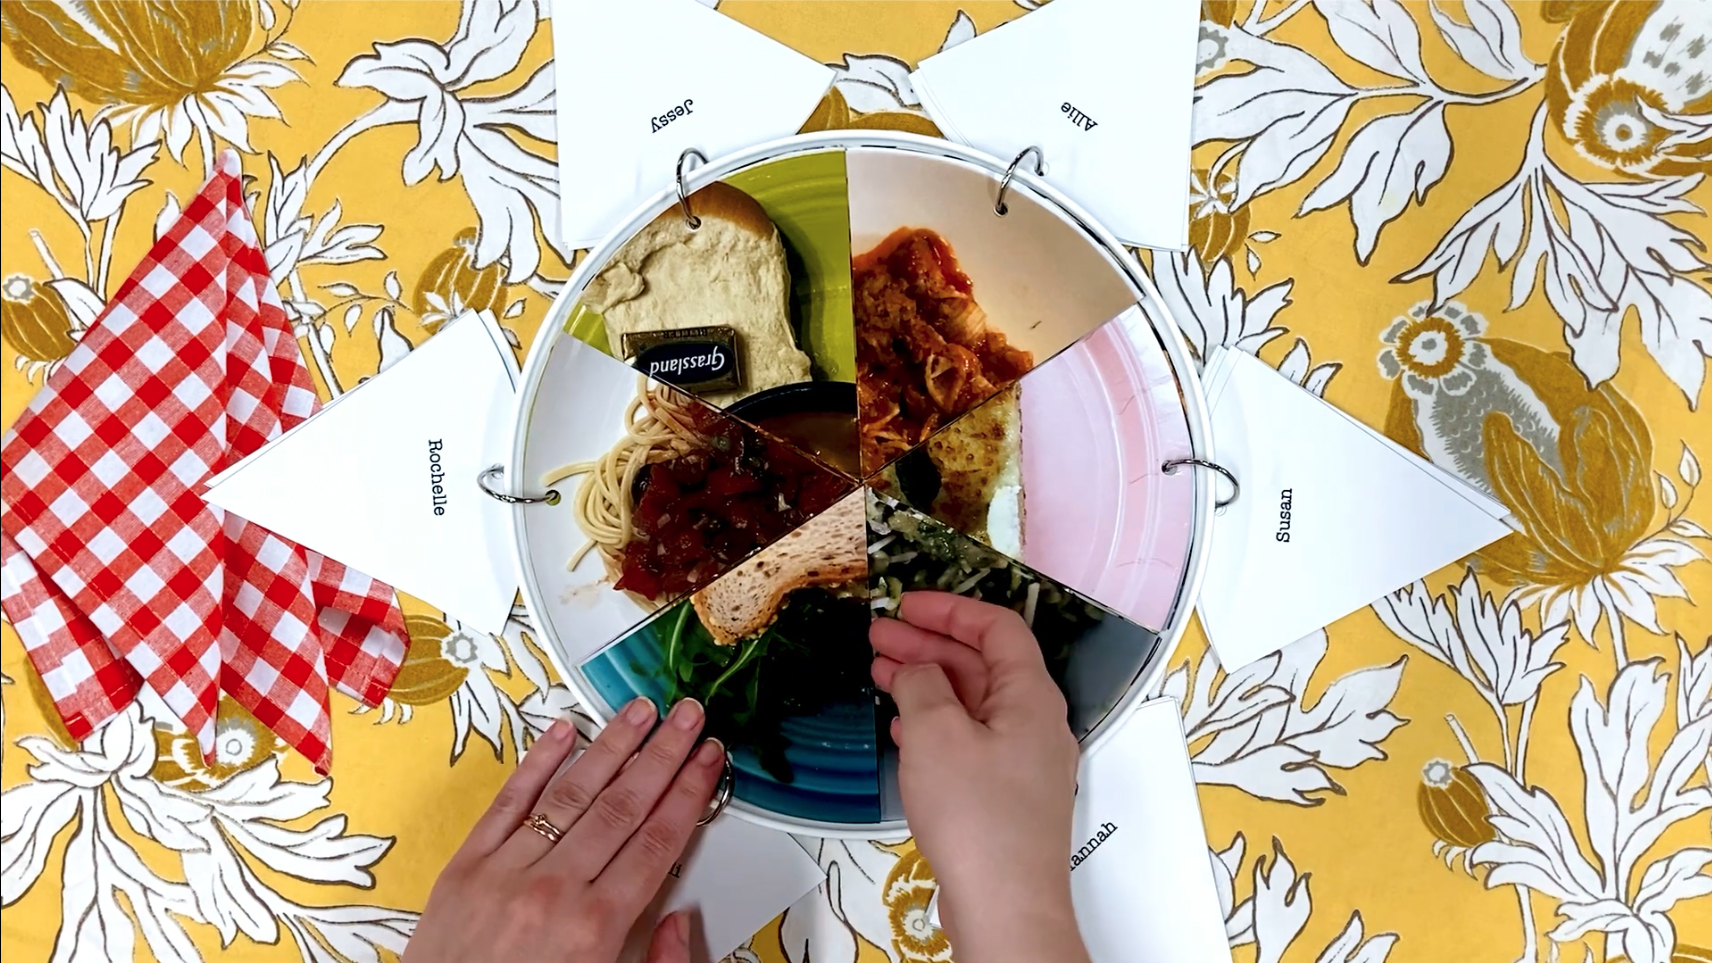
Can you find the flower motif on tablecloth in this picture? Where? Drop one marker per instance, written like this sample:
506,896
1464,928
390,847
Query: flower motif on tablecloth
1434,351
1574,465
452,284
35,320
241,743
1629,803
515,190
1453,808
908,892
174,70
874,92
1630,85
474,673
218,827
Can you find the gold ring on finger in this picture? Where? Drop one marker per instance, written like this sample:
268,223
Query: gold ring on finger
541,824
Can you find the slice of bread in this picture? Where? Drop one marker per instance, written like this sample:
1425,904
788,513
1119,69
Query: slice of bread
828,550
730,271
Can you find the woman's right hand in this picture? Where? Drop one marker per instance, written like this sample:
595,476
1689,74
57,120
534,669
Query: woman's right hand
987,769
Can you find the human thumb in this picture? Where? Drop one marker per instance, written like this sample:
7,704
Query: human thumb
922,691
671,942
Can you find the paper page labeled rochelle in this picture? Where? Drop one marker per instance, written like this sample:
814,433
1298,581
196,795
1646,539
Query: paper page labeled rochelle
653,78
1066,79
737,877
1140,878
1332,514
384,478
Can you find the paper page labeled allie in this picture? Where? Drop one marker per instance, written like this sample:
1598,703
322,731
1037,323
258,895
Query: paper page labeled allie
736,876
384,478
1332,515
653,78
1140,879
1103,89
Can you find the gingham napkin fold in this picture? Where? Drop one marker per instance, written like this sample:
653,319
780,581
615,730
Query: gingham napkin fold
114,571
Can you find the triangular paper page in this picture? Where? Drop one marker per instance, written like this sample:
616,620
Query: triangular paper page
1140,881
384,478
1103,89
670,75
1332,515
736,876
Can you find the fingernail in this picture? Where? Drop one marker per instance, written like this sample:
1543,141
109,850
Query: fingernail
711,753
682,924
640,711
561,730
687,714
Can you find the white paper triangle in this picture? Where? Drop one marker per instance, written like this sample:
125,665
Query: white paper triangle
1103,88
1140,882
1332,514
359,482
737,876
641,80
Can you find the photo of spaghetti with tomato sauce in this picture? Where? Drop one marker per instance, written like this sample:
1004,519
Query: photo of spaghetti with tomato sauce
688,493
924,350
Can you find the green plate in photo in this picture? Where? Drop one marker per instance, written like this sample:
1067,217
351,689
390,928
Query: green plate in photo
807,197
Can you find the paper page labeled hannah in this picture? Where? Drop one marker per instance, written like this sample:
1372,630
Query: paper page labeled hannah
1103,89
1140,879
384,478
653,78
736,876
1332,514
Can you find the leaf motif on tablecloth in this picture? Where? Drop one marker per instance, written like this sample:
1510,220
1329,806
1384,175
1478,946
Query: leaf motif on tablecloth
1278,908
1212,312
515,191
216,828
1628,803
1610,251
461,665
1491,40
847,912
200,70
1253,729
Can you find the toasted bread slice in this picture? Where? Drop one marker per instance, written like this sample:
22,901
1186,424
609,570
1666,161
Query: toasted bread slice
827,550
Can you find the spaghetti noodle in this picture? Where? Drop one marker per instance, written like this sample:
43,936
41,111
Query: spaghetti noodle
656,429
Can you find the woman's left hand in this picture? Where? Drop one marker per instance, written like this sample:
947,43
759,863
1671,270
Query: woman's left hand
624,812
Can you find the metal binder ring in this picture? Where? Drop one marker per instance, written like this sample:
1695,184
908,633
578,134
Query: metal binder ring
551,498
722,798
999,206
683,193
1170,468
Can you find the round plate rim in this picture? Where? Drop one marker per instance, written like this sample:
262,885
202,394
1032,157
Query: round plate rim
1145,686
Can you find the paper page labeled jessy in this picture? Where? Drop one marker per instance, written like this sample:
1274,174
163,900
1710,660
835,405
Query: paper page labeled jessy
651,79
1332,515
384,478
1140,878
736,877
1104,89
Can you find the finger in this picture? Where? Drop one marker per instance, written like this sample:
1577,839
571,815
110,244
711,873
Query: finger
882,671
621,806
906,643
923,693
1006,645
671,942
639,868
516,799
573,791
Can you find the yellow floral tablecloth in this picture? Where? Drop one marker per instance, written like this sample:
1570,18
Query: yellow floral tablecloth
1472,224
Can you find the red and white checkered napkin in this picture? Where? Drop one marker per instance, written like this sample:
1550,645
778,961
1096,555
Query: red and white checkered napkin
115,572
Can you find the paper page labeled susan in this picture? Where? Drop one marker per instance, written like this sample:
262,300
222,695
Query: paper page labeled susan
659,494
1140,879
1332,515
660,76
384,478
1102,89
